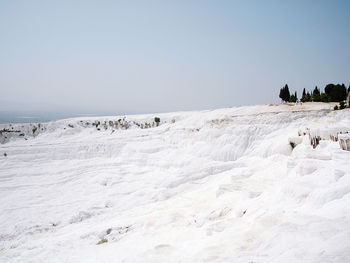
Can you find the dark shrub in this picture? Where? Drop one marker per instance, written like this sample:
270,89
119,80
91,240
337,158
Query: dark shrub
342,105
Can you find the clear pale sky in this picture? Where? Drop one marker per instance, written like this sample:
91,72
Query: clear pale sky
158,56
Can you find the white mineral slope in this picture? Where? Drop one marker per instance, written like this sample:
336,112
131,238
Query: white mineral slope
215,186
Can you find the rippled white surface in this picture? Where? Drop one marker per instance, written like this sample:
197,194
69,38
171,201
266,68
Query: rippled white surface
215,186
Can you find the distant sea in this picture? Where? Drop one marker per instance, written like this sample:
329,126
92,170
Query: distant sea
35,117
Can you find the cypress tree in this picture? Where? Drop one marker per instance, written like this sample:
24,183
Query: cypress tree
292,98
287,92
316,94
284,93
303,97
308,97
316,91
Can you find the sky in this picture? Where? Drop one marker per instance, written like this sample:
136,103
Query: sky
160,56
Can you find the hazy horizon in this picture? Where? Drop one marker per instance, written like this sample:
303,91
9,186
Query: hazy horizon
160,56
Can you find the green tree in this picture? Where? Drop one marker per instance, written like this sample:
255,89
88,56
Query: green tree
336,92
308,96
157,120
316,95
303,96
323,97
293,97
287,93
284,93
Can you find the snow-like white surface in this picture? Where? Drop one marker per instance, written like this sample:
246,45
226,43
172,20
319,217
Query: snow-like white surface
213,186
